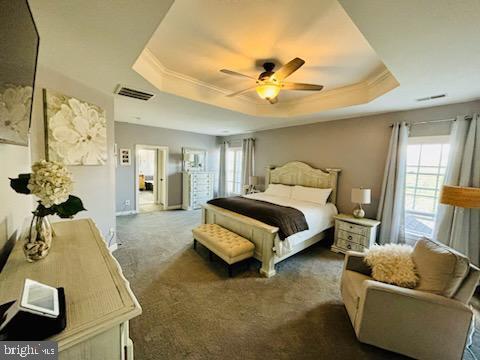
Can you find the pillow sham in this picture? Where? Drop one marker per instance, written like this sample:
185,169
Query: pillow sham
392,264
279,190
315,195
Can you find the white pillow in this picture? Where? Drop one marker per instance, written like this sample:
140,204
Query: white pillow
279,190
315,195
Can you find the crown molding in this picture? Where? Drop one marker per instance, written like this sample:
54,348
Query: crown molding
164,79
149,56
380,83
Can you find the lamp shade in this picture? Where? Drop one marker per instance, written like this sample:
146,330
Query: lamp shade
361,196
268,90
253,180
465,197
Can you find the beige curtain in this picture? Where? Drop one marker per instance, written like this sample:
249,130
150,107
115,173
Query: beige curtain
222,177
248,159
391,210
457,227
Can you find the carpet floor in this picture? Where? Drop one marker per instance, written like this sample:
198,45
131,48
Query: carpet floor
193,310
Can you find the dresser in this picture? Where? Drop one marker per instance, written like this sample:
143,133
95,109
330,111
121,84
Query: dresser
99,302
197,188
353,233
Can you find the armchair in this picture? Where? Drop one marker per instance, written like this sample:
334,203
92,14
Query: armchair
415,323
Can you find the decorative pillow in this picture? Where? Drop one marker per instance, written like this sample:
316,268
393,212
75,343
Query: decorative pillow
440,268
315,195
279,190
392,264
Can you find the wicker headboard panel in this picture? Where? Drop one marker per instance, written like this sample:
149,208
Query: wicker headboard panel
299,173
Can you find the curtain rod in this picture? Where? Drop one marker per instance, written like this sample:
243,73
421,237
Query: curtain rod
435,121
432,121
239,139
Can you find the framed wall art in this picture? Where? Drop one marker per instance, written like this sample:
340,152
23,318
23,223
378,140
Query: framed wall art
75,130
125,157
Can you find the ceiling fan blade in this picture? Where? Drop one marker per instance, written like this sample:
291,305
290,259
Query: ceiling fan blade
288,69
273,101
234,73
242,91
300,86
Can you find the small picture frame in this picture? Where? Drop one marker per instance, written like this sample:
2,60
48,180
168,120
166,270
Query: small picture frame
125,157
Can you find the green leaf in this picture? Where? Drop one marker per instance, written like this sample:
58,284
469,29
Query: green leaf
69,208
20,184
43,211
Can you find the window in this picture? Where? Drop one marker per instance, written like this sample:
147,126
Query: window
426,163
234,170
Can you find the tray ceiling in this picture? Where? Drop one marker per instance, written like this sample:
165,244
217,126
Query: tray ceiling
430,50
198,38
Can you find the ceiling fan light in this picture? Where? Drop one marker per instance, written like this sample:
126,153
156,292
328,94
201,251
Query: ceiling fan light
268,91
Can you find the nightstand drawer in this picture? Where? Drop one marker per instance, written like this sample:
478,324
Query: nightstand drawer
353,233
352,237
348,245
343,225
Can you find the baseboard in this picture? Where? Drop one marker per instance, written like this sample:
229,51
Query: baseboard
124,213
133,212
174,207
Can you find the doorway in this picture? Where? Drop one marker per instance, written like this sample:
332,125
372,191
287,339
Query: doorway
151,180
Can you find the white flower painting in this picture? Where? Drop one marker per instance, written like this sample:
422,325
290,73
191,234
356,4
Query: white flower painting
76,130
15,105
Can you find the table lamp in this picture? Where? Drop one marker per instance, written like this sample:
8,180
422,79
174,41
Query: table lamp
460,196
360,196
252,182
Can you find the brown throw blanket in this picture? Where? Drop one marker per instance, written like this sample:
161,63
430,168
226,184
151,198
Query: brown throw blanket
289,220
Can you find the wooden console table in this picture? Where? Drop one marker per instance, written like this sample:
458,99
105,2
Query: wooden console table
98,297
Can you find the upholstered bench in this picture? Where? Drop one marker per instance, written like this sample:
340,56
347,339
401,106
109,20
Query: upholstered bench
226,244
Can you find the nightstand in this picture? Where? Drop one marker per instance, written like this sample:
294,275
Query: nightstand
353,233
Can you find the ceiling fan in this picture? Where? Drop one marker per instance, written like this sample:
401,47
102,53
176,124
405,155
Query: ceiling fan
269,82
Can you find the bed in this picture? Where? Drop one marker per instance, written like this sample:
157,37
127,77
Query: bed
269,248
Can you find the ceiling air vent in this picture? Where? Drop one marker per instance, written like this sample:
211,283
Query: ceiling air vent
433,97
133,93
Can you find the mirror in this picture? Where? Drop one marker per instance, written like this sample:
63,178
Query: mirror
18,60
194,159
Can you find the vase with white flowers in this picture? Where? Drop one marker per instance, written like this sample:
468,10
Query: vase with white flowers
52,183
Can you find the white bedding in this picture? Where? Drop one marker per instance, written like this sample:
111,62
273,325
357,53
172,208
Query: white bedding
318,217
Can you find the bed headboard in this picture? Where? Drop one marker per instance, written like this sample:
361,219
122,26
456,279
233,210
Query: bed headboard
299,173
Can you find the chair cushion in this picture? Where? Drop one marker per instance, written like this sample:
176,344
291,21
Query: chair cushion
223,241
441,269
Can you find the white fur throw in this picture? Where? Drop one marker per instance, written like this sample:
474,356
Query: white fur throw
392,264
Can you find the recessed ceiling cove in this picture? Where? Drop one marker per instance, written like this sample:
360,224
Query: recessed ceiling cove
196,39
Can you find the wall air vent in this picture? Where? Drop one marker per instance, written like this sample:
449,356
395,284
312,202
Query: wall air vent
133,93
433,97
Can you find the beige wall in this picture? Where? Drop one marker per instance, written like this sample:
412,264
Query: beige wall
95,185
358,146
128,135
